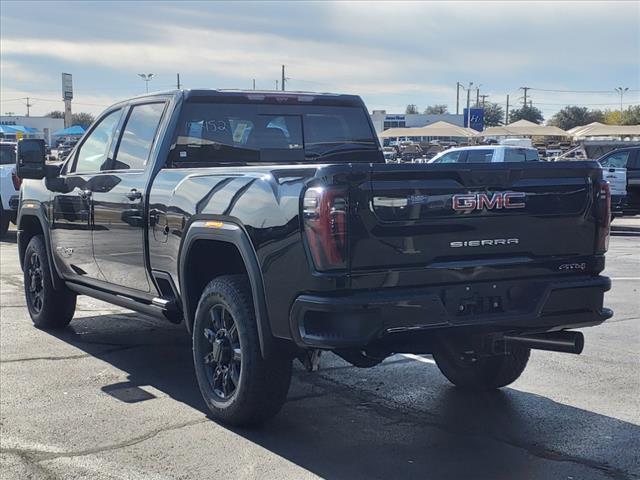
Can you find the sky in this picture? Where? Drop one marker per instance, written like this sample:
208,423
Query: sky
390,53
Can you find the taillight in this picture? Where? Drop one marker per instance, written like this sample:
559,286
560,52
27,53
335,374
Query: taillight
17,181
603,208
324,213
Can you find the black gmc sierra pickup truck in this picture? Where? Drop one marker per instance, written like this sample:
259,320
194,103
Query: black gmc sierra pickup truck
269,223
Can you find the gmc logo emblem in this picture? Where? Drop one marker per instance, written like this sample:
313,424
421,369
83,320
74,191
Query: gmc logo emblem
481,201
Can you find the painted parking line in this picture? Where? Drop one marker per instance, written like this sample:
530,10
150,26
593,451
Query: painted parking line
418,358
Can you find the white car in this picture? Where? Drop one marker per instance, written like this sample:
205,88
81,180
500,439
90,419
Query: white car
487,154
9,186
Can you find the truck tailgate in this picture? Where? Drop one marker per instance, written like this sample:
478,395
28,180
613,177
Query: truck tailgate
439,215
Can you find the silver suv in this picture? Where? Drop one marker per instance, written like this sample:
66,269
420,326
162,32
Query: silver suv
487,154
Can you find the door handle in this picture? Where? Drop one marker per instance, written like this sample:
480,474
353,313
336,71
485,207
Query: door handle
134,195
85,194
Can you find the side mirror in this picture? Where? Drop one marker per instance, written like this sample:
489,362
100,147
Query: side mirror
30,161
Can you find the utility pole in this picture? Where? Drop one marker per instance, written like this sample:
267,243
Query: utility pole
469,105
29,105
483,99
276,84
178,81
478,96
254,83
525,89
283,78
506,116
458,98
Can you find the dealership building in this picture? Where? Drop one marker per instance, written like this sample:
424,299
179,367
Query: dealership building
383,121
38,127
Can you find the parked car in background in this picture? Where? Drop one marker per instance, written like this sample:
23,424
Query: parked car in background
390,154
65,149
411,151
9,186
623,166
487,154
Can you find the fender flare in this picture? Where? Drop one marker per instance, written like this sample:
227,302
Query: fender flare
35,209
228,232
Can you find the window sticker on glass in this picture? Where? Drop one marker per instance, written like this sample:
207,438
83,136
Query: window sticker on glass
241,131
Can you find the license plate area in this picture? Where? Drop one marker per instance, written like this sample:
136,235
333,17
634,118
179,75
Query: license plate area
491,299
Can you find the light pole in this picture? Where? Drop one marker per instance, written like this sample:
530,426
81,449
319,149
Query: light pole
621,91
147,78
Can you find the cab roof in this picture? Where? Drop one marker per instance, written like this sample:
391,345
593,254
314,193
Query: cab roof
259,96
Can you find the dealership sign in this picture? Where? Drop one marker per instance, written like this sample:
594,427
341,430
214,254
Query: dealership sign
477,119
67,87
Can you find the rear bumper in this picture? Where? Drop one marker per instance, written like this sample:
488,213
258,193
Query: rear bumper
358,319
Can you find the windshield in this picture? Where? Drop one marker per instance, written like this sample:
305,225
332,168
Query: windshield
249,133
7,154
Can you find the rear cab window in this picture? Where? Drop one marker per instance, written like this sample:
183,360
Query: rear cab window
229,133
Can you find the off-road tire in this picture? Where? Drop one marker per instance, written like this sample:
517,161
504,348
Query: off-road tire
263,384
55,307
486,372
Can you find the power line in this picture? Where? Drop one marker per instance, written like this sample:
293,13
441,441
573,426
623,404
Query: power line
576,91
588,104
13,100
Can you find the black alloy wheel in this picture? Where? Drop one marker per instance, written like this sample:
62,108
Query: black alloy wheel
35,287
223,360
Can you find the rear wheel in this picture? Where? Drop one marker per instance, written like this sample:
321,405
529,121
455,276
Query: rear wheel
49,308
239,386
481,372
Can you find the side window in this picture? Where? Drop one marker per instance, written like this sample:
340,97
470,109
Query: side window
94,152
137,137
531,155
479,156
514,155
451,157
616,160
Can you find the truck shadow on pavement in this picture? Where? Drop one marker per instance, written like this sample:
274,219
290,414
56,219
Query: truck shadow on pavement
338,431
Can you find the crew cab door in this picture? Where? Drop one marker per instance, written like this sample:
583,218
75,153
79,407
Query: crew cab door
119,234
72,223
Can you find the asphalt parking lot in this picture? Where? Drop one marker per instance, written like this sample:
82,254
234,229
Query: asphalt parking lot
114,396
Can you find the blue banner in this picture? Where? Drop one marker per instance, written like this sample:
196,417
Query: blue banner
477,119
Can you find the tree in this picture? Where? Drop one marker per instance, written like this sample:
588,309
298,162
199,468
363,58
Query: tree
438,109
527,112
55,114
83,119
573,116
411,108
493,114
630,116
